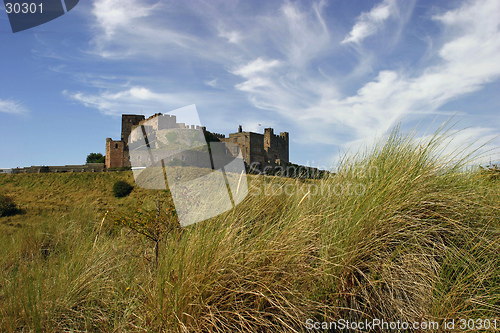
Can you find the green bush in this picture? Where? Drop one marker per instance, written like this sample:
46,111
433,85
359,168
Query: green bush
7,206
121,189
95,158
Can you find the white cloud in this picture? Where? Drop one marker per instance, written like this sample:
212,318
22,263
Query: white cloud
232,36
279,57
256,67
369,23
285,82
12,107
214,30
115,15
466,61
270,50
133,28
306,35
133,100
211,83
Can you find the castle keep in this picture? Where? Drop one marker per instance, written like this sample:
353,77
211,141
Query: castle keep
264,149
260,150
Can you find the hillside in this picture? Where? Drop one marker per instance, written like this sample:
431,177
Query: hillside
54,194
397,233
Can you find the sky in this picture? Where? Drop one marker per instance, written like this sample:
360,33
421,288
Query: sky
337,75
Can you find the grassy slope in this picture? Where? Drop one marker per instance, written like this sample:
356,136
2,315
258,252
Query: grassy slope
396,234
49,190
54,195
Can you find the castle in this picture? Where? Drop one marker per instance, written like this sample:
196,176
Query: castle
258,150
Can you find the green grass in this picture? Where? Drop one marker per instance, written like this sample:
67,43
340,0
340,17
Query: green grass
398,233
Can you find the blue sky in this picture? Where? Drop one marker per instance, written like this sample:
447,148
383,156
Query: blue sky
334,74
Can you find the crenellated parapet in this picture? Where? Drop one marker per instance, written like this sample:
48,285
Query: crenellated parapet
266,149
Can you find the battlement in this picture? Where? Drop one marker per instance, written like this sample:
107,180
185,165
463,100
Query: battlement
220,136
269,132
217,135
266,149
157,115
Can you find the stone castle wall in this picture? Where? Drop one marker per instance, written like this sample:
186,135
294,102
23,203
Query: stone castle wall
116,154
89,167
128,122
265,149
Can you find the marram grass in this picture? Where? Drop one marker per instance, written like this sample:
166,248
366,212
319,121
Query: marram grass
397,233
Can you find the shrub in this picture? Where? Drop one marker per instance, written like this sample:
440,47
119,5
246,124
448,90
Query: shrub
7,206
121,189
95,158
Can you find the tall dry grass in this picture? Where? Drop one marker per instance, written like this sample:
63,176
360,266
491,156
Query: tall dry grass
397,233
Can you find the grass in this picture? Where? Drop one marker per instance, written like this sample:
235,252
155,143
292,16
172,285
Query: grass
398,233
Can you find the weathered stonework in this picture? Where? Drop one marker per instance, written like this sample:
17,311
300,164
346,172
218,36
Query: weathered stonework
265,149
257,149
116,154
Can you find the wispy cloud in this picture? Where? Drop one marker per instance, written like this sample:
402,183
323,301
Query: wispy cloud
211,83
256,67
143,100
131,100
132,28
232,36
291,59
466,61
115,15
232,41
297,36
306,35
12,107
369,23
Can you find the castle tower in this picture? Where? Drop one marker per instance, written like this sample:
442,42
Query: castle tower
268,135
264,149
128,122
114,153
284,146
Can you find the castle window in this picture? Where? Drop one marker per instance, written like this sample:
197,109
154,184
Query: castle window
116,146
235,140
